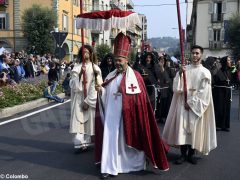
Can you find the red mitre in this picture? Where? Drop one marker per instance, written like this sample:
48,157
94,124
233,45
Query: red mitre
122,45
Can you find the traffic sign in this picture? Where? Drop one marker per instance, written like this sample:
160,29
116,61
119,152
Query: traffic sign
60,53
60,37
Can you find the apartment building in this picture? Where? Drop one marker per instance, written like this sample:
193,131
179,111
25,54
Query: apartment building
143,20
207,27
100,37
11,11
135,32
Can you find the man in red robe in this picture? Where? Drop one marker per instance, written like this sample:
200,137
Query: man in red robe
126,130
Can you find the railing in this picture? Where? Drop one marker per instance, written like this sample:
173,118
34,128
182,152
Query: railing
131,29
217,17
130,4
97,8
215,44
96,31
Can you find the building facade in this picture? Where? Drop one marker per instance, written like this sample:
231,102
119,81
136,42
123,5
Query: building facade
100,37
209,20
11,35
143,41
11,11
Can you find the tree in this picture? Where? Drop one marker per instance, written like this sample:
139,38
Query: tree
132,57
37,23
233,34
102,50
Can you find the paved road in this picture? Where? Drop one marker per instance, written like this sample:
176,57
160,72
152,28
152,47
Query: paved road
39,147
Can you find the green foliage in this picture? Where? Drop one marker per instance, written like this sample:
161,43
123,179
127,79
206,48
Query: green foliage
102,50
233,33
21,93
37,23
132,57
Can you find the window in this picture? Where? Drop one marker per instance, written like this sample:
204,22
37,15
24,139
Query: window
217,9
216,34
216,38
76,2
75,27
102,6
3,21
65,23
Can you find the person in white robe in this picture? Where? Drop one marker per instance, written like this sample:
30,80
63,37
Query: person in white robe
118,155
191,124
82,122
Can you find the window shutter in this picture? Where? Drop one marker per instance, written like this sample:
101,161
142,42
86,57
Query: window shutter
62,22
67,23
224,7
7,21
75,25
210,34
222,34
210,8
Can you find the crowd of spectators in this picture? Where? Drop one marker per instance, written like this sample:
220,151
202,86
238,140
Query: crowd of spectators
20,67
15,67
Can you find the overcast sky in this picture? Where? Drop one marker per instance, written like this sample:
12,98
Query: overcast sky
162,20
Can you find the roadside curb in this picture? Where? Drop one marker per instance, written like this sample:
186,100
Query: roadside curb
10,111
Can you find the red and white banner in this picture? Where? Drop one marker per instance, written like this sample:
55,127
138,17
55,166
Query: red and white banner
105,20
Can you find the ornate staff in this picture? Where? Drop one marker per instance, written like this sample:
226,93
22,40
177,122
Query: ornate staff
83,61
181,35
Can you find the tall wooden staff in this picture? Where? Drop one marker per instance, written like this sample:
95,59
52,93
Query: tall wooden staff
239,105
181,35
83,61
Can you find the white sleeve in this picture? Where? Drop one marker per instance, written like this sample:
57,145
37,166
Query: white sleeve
200,100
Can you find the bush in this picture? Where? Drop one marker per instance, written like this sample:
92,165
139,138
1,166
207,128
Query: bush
102,50
21,93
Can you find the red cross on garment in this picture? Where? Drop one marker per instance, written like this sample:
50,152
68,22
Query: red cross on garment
132,87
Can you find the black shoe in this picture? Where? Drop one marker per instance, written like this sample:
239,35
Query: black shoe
180,160
192,160
105,176
80,150
226,129
77,150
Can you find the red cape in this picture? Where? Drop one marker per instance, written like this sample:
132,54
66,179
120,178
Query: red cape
140,127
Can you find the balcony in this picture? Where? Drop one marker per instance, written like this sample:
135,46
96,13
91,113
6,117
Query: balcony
217,18
215,44
3,3
130,4
96,32
97,7
131,30
116,5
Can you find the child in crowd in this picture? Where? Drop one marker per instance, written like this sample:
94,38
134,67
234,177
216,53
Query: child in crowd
65,85
49,95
